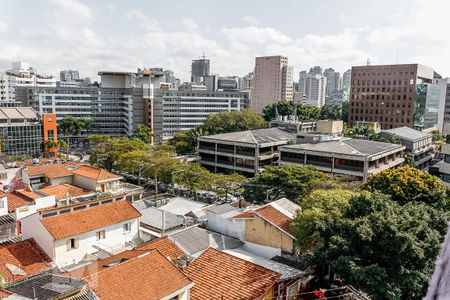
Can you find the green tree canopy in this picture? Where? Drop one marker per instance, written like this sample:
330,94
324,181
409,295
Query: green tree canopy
284,107
330,112
143,133
291,181
233,121
408,184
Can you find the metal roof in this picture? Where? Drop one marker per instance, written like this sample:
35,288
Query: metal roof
181,206
221,209
7,219
408,133
347,146
195,240
255,137
153,217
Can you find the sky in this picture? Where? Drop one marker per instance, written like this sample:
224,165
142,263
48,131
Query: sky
90,36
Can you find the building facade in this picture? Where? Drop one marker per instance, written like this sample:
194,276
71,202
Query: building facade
315,90
200,69
394,95
7,88
272,81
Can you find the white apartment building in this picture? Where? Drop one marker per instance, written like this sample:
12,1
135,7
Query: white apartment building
272,81
70,235
26,75
7,87
315,90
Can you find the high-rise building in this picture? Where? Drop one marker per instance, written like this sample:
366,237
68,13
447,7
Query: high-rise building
7,88
333,80
315,90
302,82
316,70
25,75
346,79
69,75
394,96
272,82
199,69
169,77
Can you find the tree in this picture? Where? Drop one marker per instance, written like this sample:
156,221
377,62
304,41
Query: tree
284,107
344,109
194,177
386,249
408,184
233,121
291,181
185,142
224,184
308,112
61,145
49,145
143,133
330,112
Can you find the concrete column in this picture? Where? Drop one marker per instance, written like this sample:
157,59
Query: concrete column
256,159
304,158
215,157
365,169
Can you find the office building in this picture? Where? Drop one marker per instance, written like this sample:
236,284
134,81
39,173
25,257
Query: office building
346,79
315,90
444,104
419,145
395,96
185,110
344,156
333,80
200,69
7,87
272,82
69,75
169,77
25,75
245,82
245,152
316,70
222,83
23,131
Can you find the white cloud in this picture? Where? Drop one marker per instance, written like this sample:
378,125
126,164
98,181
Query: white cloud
251,20
149,24
256,35
3,27
190,25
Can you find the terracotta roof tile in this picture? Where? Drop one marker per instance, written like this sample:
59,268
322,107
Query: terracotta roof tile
27,255
64,190
218,275
95,173
245,215
50,171
28,194
275,217
163,245
74,223
16,200
147,276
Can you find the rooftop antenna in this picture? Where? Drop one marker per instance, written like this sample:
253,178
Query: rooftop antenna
368,61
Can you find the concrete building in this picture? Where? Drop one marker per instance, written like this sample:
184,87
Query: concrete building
200,69
245,152
333,80
394,95
418,144
185,110
69,75
25,75
7,88
272,81
222,83
316,70
444,104
315,90
345,156
169,77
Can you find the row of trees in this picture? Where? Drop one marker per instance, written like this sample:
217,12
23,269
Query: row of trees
185,142
135,156
304,112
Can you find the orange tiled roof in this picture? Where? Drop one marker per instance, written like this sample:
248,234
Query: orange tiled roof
64,190
147,276
98,174
245,215
27,255
275,217
28,194
16,200
163,245
50,171
217,274
74,223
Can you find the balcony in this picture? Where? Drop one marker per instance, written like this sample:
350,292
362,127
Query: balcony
127,189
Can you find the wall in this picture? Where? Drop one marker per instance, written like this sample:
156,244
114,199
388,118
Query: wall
229,227
33,228
264,251
45,202
261,232
114,240
3,206
84,182
60,180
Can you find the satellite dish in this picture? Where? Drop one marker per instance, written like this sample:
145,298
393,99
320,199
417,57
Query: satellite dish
15,270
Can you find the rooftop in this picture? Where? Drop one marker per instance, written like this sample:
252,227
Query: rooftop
147,276
153,217
223,209
194,240
164,245
74,223
181,206
50,171
22,259
256,137
92,172
347,146
219,275
408,133
47,286
16,200
65,190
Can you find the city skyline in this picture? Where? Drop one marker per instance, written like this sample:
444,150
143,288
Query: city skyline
108,35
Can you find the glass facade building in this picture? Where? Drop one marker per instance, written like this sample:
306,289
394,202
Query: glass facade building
426,106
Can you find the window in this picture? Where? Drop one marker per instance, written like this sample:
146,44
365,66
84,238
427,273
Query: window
72,243
126,227
100,235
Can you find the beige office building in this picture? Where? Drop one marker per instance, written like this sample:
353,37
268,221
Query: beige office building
272,81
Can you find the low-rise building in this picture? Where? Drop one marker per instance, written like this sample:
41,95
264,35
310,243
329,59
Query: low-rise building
419,145
443,166
346,156
70,235
245,152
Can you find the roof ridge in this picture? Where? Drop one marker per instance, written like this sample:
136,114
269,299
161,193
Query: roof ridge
274,223
343,142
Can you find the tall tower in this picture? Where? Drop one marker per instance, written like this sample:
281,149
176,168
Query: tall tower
200,69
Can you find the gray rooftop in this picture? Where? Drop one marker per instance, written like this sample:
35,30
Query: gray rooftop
221,209
408,133
255,137
153,217
181,206
195,240
347,146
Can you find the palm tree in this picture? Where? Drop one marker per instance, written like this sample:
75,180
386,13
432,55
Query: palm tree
88,124
62,145
49,145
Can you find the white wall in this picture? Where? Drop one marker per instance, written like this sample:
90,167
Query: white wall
25,177
33,228
230,227
114,240
60,180
3,206
45,202
84,182
267,252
